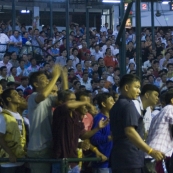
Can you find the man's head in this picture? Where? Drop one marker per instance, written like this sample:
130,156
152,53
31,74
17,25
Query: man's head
85,77
79,67
130,86
6,58
151,94
3,70
10,96
13,55
75,51
169,97
13,71
105,101
24,81
38,80
66,96
33,62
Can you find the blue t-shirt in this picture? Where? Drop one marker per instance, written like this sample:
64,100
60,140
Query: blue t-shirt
125,155
100,140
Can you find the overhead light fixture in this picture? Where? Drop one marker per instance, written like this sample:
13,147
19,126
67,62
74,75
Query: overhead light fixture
165,2
25,11
111,1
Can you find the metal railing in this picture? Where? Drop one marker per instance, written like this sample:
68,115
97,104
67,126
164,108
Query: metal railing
64,162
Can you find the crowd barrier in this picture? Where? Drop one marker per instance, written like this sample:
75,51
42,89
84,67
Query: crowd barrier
64,162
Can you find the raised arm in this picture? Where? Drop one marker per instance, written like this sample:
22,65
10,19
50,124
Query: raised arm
46,91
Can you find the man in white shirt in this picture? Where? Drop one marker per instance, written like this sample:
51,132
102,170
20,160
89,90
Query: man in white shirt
86,81
97,53
74,57
5,62
3,40
108,45
149,97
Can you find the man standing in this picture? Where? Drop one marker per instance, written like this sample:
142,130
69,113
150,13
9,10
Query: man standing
127,130
40,105
12,133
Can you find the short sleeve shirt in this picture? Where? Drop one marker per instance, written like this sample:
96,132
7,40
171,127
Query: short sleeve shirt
124,153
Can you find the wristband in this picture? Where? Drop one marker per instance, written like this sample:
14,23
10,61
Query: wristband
149,152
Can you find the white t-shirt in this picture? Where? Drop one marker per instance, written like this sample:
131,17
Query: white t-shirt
3,130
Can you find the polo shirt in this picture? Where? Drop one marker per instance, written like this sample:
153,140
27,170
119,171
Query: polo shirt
125,155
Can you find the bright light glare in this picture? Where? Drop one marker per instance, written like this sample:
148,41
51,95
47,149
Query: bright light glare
25,11
111,1
165,2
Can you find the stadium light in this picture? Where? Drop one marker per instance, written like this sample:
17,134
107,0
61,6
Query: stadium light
165,2
25,11
111,1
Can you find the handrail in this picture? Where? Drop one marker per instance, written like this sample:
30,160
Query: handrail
63,162
93,159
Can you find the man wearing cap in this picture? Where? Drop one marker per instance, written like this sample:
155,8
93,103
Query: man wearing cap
3,40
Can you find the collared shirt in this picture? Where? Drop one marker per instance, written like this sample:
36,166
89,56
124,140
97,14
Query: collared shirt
8,65
61,60
147,116
29,70
3,40
75,61
97,55
15,39
14,63
86,84
159,136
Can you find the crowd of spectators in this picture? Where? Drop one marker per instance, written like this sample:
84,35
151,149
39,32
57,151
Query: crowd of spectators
37,67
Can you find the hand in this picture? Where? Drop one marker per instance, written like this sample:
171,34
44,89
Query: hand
103,123
56,71
100,155
110,138
85,145
157,155
12,158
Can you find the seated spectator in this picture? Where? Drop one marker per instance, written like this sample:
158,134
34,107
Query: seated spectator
5,62
15,42
32,68
79,71
14,60
61,60
84,51
86,81
24,83
21,68
109,60
4,75
74,58
97,53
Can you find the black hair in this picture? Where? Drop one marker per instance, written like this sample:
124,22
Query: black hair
102,98
3,67
12,68
128,79
6,93
81,93
34,78
168,97
149,87
63,95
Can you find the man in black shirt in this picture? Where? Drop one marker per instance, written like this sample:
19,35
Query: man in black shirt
127,130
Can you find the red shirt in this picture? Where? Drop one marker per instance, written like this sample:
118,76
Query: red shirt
110,61
82,53
66,131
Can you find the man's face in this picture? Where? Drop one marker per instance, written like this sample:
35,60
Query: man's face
14,97
6,59
14,56
16,33
75,52
79,67
4,71
109,103
85,77
153,98
64,53
133,90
